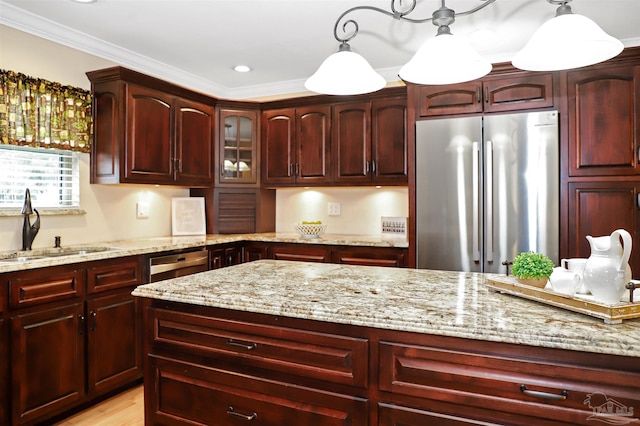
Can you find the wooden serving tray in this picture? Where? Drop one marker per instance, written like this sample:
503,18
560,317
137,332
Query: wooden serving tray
584,304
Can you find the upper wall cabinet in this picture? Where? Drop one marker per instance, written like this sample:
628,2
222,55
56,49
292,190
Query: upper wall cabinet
495,94
369,142
604,128
295,146
237,147
149,131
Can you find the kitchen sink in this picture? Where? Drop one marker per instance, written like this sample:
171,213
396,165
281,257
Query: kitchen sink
24,256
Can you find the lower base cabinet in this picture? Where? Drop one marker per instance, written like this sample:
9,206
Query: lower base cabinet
75,335
47,354
326,253
216,366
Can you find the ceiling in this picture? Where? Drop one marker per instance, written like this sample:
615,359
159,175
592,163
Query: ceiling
196,43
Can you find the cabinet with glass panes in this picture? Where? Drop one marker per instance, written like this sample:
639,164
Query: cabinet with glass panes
238,147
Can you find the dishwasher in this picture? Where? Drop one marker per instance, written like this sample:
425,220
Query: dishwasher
177,265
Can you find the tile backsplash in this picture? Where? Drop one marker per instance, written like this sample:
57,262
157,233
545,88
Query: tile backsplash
360,208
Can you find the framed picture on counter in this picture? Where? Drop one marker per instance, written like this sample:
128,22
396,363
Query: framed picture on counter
187,216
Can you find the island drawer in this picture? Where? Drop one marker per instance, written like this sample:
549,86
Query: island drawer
569,392
308,354
188,393
35,287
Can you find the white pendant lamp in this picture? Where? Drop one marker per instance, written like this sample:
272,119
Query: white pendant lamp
442,60
345,73
445,59
566,41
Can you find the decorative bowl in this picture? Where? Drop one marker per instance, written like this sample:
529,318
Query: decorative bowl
310,230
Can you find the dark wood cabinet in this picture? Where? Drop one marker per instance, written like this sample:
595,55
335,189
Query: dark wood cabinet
224,255
327,253
75,335
114,345
369,142
238,210
295,145
209,365
463,382
238,147
254,251
149,131
351,142
389,141
604,129
263,371
495,94
47,359
598,208
299,252
366,256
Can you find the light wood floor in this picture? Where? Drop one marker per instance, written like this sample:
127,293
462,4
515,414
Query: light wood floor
125,409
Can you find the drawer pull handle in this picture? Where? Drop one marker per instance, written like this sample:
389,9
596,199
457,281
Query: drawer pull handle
247,346
544,395
242,416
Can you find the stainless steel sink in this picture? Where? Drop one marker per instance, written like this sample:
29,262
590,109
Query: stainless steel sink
23,256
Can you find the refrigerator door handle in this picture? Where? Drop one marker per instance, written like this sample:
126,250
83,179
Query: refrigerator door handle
476,202
489,201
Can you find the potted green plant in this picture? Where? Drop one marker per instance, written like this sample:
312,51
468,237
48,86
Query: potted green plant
532,268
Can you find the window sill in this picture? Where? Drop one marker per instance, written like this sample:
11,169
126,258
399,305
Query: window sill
45,212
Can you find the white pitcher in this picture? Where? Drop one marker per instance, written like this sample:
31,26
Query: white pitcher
607,270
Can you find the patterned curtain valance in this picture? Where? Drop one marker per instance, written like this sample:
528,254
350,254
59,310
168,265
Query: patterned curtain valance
40,113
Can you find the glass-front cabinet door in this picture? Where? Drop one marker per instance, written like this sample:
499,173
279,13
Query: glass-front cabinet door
238,146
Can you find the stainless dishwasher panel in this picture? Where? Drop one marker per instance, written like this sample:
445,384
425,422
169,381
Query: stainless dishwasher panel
178,265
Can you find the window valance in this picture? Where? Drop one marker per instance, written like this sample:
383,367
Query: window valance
44,114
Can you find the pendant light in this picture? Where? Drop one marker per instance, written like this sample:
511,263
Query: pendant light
566,41
446,58
345,73
442,60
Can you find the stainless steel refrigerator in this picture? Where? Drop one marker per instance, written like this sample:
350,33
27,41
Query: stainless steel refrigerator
487,188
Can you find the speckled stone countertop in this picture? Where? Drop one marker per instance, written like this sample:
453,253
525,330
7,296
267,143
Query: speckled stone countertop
159,244
453,304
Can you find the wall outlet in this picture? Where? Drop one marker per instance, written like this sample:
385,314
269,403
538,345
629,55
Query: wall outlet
142,210
334,209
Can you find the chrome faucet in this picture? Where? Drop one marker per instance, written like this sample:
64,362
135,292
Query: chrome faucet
29,231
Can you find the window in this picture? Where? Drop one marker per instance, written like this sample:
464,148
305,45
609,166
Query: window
52,176
43,126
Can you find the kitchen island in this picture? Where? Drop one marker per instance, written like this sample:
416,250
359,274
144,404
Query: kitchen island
278,342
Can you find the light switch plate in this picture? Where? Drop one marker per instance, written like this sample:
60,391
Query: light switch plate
142,209
334,209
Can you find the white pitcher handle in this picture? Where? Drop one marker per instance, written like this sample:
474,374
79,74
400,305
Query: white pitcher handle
626,242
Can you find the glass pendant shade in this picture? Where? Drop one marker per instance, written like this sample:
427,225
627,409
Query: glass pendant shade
564,42
345,73
445,59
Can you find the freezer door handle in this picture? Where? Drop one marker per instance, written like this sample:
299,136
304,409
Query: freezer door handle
489,201
476,202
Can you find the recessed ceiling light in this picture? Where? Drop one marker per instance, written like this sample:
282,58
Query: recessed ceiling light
241,68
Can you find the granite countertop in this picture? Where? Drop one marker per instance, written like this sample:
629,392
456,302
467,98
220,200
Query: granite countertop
456,304
112,249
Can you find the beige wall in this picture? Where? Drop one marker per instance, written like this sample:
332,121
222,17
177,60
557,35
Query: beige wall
360,208
111,209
